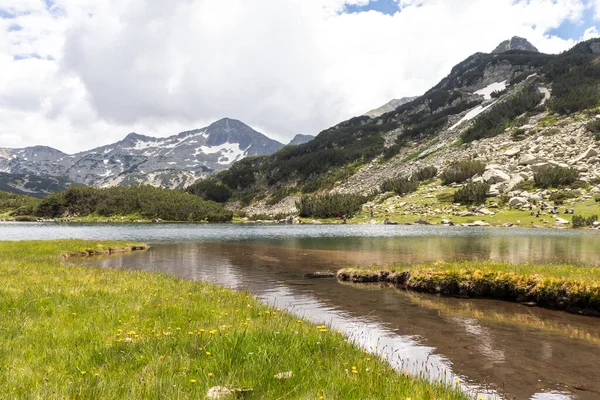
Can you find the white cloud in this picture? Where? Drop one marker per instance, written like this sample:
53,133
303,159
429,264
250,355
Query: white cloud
286,67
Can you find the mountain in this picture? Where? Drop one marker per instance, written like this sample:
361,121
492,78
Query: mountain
515,43
32,185
389,106
172,162
517,112
301,139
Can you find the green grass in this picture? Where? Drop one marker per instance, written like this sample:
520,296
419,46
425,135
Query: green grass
569,287
78,332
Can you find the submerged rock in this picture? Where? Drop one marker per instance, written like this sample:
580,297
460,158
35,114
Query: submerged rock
320,274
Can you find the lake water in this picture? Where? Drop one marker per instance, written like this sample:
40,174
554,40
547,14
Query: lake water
494,348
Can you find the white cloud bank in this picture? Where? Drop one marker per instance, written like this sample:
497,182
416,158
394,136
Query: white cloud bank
105,68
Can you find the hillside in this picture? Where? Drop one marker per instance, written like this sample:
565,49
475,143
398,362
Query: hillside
517,112
32,185
172,162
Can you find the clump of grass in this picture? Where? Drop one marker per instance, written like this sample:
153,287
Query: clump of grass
567,287
72,331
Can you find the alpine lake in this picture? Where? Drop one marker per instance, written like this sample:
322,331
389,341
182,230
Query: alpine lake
502,349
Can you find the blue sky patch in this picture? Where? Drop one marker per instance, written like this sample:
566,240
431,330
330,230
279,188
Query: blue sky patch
5,14
36,56
574,30
389,7
15,28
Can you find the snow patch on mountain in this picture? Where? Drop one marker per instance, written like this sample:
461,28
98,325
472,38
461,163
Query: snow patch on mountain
471,114
487,91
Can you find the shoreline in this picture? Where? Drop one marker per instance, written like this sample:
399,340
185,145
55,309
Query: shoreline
98,330
490,280
312,223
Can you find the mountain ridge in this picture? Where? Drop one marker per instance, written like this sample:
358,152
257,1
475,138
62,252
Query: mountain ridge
175,161
489,99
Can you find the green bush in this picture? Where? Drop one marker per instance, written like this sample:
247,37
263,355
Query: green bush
597,198
461,171
17,204
147,201
210,189
559,197
593,126
525,185
424,174
518,135
330,205
400,186
555,177
472,193
582,222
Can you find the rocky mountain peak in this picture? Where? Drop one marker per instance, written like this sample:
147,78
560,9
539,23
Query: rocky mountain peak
515,43
301,139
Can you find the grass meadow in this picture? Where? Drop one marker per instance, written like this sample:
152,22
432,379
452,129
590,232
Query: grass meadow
78,332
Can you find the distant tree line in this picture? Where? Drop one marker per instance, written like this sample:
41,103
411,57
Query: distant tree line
145,201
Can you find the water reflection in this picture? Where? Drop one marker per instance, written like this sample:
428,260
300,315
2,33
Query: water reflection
488,345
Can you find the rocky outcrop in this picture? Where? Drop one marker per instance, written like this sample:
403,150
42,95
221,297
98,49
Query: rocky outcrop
515,43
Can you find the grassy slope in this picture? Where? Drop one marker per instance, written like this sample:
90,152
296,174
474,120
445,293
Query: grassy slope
403,214
84,332
570,287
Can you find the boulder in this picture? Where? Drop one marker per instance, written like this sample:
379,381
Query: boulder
517,202
493,176
528,159
539,166
447,222
477,223
595,190
590,152
561,221
484,211
515,180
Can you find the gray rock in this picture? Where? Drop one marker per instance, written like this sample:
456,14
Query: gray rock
517,202
528,159
493,176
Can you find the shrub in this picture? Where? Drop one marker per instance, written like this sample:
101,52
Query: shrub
593,126
330,205
472,193
559,197
401,186
391,151
597,198
555,177
424,174
518,135
461,171
147,201
210,189
582,222
525,185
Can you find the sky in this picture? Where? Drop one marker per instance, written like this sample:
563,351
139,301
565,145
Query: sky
76,74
